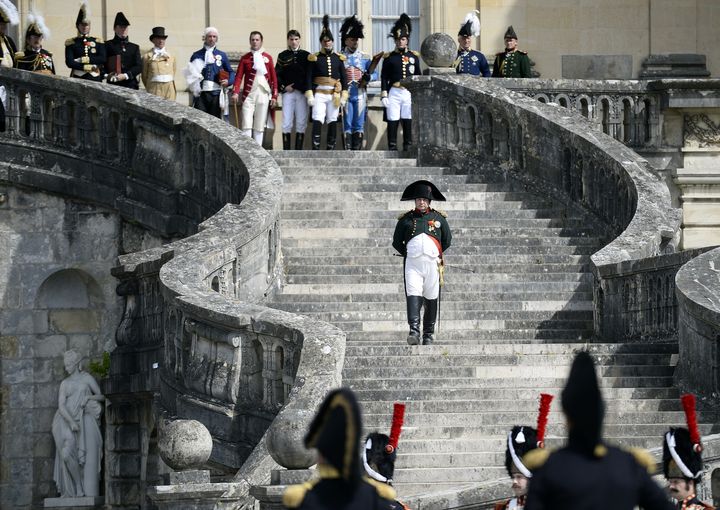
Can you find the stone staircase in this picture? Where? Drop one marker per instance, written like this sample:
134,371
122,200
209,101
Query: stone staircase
516,306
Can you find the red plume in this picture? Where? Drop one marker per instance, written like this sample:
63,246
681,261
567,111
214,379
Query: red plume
688,403
397,423
543,412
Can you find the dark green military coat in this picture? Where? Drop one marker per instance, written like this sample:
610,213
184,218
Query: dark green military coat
513,64
413,223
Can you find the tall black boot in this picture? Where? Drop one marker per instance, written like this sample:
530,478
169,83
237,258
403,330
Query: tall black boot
346,141
414,304
357,139
331,135
392,129
407,134
431,306
299,141
317,130
286,141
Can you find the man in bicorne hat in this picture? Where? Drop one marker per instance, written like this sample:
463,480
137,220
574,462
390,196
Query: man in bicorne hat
587,473
399,65
520,441
470,61
124,63
335,432
85,54
682,460
158,74
421,236
511,63
34,57
326,85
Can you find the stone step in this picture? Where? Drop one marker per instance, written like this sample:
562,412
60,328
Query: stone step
342,276
450,325
560,307
348,247
521,288
477,200
400,175
461,318
408,490
337,154
454,190
446,474
318,163
366,294
487,262
393,266
466,217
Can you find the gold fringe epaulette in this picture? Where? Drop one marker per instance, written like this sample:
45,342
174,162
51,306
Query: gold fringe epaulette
386,54
295,494
70,42
441,212
312,57
383,489
536,458
19,54
416,53
342,57
643,458
402,215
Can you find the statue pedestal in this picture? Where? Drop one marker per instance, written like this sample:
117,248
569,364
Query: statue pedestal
270,496
70,503
187,490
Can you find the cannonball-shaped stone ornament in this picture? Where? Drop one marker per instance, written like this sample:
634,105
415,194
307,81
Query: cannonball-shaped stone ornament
284,439
438,50
184,444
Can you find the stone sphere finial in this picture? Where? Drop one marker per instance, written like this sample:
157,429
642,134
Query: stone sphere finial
438,50
284,439
184,444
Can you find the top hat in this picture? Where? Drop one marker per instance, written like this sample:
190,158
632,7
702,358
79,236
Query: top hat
158,32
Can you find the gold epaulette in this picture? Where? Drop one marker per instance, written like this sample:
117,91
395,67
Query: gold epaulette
98,39
312,57
441,212
70,42
386,54
643,458
295,494
19,54
342,57
416,53
522,52
536,458
383,489
402,215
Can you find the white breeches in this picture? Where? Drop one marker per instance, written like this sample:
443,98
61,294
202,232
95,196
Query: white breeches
422,277
324,109
255,109
400,104
294,111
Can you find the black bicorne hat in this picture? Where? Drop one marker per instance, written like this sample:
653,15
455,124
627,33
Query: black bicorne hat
352,27
402,27
520,441
8,13
583,405
158,32
83,14
336,431
510,33
121,20
422,189
325,33
470,25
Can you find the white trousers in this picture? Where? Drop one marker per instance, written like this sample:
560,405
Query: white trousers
422,277
255,109
399,104
324,109
294,112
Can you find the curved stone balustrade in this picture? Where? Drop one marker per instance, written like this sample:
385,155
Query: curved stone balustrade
193,328
470,123
698,294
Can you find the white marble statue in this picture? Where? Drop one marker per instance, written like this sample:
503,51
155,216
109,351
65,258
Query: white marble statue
76,430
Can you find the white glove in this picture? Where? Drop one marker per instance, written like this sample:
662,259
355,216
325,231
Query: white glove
385,102
311,101
343,102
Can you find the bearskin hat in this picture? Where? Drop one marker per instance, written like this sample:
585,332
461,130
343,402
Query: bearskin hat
352,27
523,439
381,450
402,27
336,431
325,33
422,189
470,25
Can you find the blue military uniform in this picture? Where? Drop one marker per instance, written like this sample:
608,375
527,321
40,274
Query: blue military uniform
209,99
472,62
85,55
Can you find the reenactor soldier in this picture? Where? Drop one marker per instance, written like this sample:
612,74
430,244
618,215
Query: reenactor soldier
682,460
421,236
511,63
335,432
34,57
397,66
587,473
470,61
357,66
8,16
208,74
85,54
520,441
380,453
158,74
326,85
124,63
291,70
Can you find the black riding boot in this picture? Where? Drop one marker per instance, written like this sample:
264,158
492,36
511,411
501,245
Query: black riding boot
317,130
407,134
431,306
414,304
286,141
331,135
357,139
346,141
392,129
299,141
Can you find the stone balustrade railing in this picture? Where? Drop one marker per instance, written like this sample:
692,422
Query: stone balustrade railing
193,327
477,124
698,293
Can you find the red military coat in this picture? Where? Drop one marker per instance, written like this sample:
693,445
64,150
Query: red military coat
245,69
